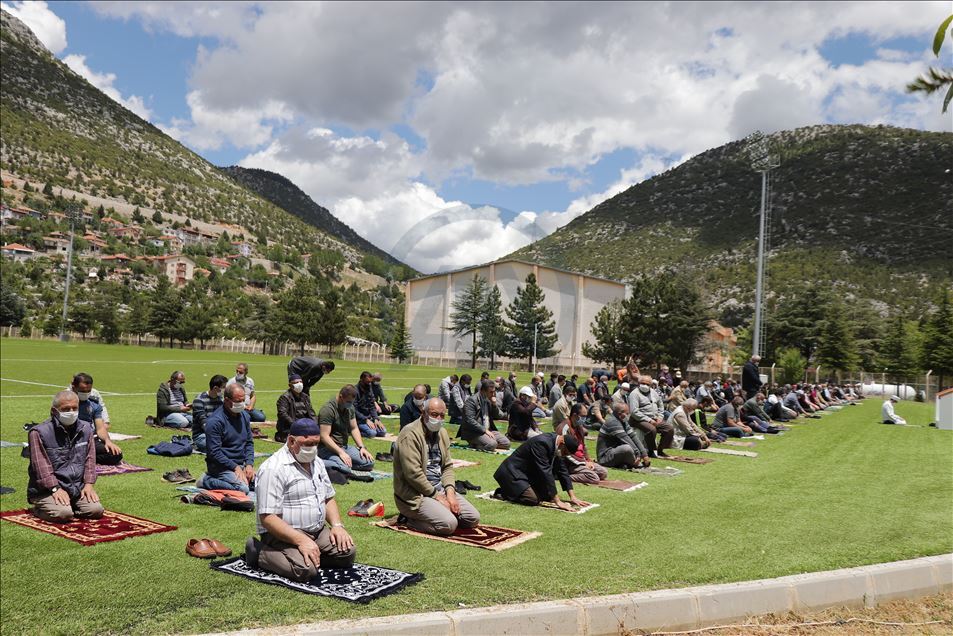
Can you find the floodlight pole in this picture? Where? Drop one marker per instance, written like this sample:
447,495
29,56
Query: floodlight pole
73,214
535,329
759,285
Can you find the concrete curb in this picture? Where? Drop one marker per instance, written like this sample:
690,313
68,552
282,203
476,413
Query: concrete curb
686,608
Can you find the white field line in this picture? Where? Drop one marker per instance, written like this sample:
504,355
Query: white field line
112,394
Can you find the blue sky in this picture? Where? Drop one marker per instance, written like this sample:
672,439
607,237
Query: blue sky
190,72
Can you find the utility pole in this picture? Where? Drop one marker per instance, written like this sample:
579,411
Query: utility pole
763,160
73,213
535,331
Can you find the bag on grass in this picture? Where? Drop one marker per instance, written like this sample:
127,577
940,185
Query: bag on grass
180,446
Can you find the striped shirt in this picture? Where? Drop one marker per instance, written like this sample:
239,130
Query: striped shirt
284,488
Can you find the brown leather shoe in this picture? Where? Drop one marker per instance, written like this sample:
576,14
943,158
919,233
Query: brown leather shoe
200,548
221,549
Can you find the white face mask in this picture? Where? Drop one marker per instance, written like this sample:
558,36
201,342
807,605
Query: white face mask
83,396
306,454
237,407
420,404
297,387
67,418
644,388
239,376
433,425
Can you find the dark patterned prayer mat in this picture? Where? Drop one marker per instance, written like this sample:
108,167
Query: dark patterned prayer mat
358,584
112,527
498,451
686,460
576,510
486,537
119,469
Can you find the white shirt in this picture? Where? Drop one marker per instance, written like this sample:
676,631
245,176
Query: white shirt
284,488
887,414
248,384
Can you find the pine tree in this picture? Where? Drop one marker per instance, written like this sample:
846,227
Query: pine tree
165,308
137,216
332,326
898,350
937,352
607,329
137,322
48,189
836,349
467,311
296,311
12,309
400,344
156,217
492,329
792,365
529,320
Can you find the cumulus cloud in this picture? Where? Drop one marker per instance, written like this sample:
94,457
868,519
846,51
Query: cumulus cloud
105,82
48,27
185,18
209,128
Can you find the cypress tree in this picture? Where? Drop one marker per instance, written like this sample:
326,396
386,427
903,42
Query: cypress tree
528,315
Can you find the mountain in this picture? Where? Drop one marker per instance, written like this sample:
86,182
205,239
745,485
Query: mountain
866,211
286,195
56,128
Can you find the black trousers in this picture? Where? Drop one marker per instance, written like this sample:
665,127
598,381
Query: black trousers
104,457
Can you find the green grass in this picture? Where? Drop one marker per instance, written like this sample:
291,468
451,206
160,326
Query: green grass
838,492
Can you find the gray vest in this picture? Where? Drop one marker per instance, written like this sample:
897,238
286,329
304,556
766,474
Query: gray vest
67,453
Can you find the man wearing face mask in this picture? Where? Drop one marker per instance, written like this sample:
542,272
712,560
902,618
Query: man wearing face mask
338,422
413,406
646,415
293,405
92,410
529,475
295,507
310,369
582,469
479,412
423,476
459,393
62,467
172,404
562,407
522,424
230,450
202,408
241,377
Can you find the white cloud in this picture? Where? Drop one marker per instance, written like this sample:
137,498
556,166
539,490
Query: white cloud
48,27
185,18
105,82
243,127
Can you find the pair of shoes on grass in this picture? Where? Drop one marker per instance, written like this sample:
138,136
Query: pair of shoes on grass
179,476
207,548
367,508
463,486
384,457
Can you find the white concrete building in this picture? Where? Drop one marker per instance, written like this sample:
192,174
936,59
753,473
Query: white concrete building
574,299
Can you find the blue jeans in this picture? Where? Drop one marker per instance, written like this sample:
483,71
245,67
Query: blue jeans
178,420
756,424
331,460
368,431
257,415
198,441
731,431
223,481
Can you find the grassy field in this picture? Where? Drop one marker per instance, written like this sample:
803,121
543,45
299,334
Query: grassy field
842,491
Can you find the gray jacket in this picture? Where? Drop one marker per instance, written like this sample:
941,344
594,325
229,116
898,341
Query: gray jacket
478,416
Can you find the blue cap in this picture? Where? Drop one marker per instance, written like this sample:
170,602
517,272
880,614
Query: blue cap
304,427
293,377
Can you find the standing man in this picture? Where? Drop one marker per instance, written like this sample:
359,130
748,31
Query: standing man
338,422
295,505
293,405
241,377
230,450
424,488
62,467
92,410
172,404
529,475
202,408
310,369
751,377
479,413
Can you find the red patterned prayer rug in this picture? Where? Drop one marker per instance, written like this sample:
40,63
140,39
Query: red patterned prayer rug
112,527
120,469
486,537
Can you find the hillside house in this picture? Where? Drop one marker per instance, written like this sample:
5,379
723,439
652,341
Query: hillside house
179,269
56,243
17,253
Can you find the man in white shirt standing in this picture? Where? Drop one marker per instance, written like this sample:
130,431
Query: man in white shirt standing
886,412
297,516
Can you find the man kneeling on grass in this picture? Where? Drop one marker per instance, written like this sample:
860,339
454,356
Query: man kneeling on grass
63,464
295,505
529,475
423,476
230,449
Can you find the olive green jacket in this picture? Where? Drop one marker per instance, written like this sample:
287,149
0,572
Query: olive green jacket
410,465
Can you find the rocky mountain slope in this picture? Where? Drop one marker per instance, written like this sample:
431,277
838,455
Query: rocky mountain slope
867,211
56,128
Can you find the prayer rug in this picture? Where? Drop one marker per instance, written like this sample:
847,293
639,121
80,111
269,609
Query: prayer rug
576,510
498,451
120,469
688,460
620,485
391,416
113,526
121,437
486,537
6,444
390,437
665,471
741,444
376,474
462,463
266,423
728,451
359,583
258,455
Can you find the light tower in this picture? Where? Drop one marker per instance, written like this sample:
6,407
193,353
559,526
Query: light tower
764,158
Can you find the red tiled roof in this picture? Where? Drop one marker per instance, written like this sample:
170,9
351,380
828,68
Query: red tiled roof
17,247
